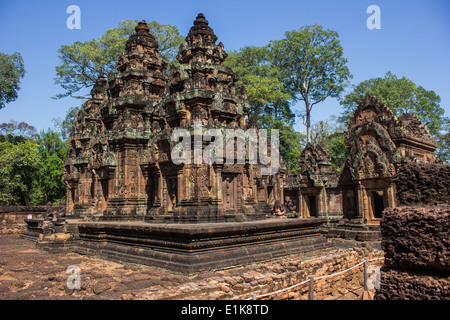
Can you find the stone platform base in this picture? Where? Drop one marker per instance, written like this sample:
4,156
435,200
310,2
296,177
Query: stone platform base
50,236
356,231
189,248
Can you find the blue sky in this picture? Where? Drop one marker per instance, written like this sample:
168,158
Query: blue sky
414,40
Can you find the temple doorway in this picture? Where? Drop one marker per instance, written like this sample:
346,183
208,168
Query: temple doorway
172,191
270,194
377,203
229,192
312,205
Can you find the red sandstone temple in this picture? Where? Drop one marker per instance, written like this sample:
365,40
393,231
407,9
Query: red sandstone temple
127,199
119,164
379,144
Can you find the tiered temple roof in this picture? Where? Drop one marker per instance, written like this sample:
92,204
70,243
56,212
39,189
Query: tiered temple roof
119,162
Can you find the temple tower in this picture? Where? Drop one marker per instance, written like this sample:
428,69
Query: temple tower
200,96
85,149
129,118
379,143
120,164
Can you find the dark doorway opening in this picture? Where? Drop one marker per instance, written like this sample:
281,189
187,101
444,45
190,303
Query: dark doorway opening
270,196
378,204
312,205
172,193
104,184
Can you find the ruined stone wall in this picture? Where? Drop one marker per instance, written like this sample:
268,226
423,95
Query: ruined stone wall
280,274
416,242
12,217
423,183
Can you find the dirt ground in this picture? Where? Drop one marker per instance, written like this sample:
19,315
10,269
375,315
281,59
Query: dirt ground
27,273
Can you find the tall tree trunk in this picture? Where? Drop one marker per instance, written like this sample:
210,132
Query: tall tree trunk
308,122
26,198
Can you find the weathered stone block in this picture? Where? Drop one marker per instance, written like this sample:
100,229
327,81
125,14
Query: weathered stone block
408,285
423,183
417,238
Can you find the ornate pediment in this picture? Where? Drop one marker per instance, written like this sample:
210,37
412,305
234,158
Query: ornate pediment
412,127
371,109
315,166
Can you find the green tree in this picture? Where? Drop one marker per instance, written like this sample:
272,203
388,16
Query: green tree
83,62
30,165
400,94
64,127
18,162
291,145
11,71
311,65
269,103
265,92
19,167
52,152
16,132
330,135
443,141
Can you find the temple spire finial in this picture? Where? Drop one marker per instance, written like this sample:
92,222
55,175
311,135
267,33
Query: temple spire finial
142,38
201,29
200,20
142,27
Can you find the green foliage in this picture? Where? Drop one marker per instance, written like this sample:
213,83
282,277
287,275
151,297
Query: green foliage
337,150
331,137
443,141
11,71
291,145
52,153
83,62
265,91
16,132
311,66
19,166
269,103
308,66
30,165
64,127
402,96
